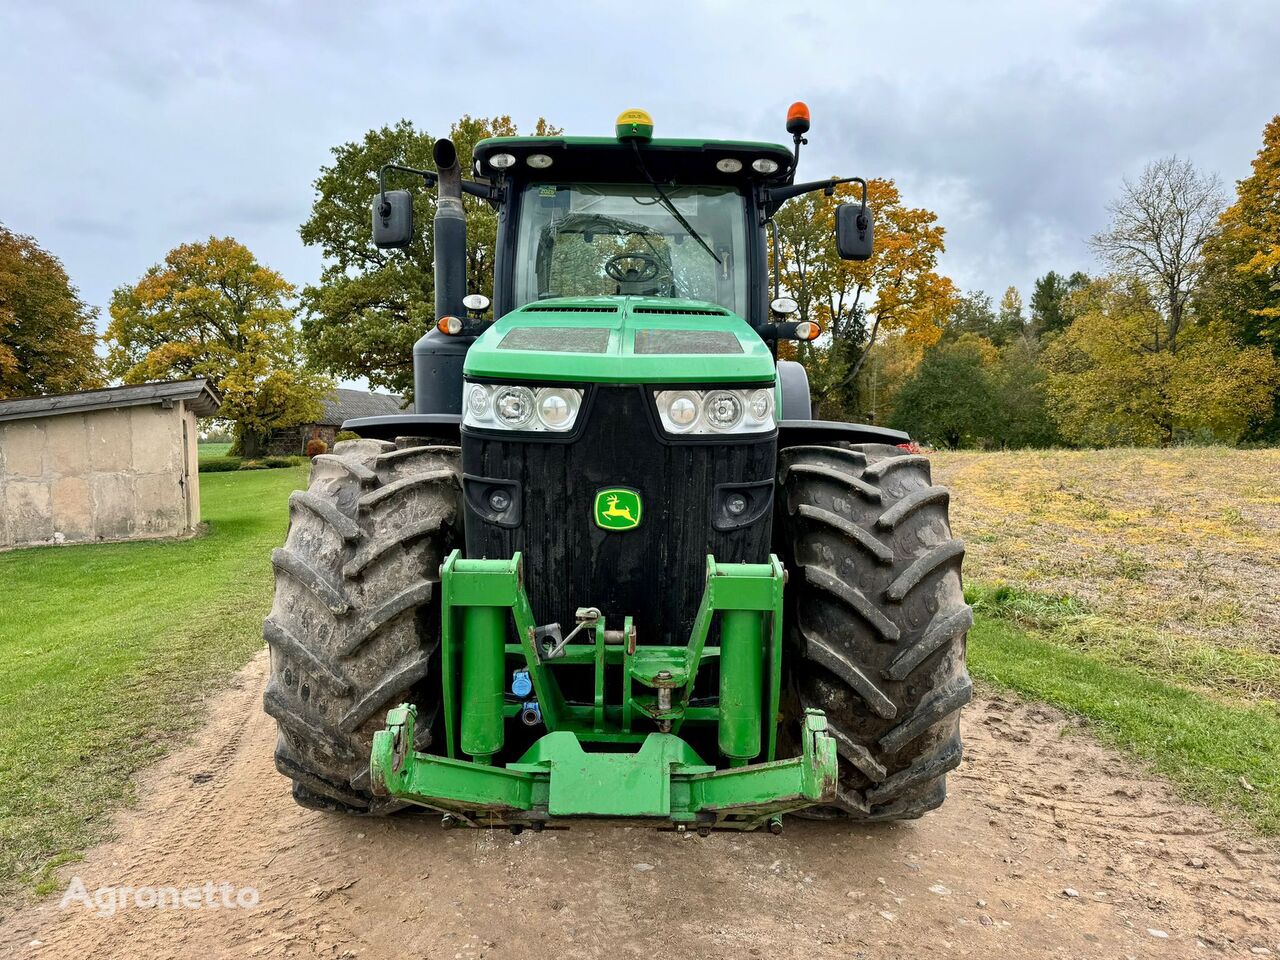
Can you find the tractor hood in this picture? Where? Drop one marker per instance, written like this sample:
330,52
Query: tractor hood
621,340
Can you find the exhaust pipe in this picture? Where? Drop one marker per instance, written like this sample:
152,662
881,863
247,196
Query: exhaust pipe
450,233
438,359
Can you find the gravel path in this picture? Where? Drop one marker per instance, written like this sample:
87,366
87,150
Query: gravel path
1049,846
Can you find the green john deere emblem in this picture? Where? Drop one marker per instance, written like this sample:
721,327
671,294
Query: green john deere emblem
617,508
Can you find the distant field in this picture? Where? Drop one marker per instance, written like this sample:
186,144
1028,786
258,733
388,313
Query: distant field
214,450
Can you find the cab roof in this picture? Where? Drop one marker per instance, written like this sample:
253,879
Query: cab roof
607,159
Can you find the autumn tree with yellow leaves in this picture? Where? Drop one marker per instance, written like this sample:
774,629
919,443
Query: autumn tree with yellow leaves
899,290
1242,262
212,310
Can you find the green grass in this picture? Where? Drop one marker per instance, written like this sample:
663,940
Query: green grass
207,450
1203,744
107,647
1227,673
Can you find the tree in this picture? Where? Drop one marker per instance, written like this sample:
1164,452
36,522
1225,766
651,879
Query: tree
371,305
1050,314
47,334
1021,398
1241,286
1159,227
971,312
1114,378
951,397
211,310
1010,323
899,288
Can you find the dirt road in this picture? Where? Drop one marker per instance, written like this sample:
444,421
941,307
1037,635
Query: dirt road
1049,846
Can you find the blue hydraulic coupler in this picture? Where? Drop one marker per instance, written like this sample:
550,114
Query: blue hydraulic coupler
521,685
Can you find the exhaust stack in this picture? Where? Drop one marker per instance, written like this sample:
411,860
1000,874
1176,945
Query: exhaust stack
438,359
450,233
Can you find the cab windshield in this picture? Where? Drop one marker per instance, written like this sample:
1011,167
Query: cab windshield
590,240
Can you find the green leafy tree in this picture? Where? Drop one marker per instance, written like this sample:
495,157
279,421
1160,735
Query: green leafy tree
1011,324
1114,378
972,313
211,310
47,335
370,306
950,399
1050,311
1021,397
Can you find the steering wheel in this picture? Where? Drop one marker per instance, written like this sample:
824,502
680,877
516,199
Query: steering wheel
648,267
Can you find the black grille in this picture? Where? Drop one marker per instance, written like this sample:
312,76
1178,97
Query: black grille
682,312
656,572
556,309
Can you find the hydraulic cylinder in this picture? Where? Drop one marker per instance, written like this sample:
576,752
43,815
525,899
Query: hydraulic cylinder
741,684
483,681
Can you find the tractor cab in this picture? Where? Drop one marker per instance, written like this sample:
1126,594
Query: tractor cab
598,216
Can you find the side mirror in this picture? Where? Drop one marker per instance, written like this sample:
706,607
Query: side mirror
854,232
393,219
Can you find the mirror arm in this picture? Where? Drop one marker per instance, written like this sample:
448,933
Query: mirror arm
493,192
777,196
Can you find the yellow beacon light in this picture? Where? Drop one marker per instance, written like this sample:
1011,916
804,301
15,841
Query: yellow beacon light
634,125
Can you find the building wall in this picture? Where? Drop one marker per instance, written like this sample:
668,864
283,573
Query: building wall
117,474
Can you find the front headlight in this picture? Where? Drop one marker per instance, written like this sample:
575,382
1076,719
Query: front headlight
716,411
513,407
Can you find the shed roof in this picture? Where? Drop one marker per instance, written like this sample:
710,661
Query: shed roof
198,394
341,405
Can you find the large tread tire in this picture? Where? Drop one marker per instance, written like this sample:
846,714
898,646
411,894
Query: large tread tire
355,626
876,620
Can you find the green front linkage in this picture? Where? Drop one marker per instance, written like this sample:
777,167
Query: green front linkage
664,779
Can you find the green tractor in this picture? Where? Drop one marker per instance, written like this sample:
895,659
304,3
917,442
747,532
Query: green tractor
611,566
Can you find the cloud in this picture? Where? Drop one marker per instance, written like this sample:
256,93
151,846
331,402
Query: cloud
130,128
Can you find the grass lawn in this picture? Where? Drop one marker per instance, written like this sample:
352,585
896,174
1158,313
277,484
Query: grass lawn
207,450
106,646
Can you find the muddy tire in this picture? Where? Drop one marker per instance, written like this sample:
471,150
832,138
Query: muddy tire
876,621
355,626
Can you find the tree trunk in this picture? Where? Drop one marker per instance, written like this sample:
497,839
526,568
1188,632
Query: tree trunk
252,445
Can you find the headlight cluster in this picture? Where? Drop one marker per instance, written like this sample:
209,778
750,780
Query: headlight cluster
716,411
511,407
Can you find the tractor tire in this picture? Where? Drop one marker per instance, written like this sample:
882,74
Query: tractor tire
876,621
355,626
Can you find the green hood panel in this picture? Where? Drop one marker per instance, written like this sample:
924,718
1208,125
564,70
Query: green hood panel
622,340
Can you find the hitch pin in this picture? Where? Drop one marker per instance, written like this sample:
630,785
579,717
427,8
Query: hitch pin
587,617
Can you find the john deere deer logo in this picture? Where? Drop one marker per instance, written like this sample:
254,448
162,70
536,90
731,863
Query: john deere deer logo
617,508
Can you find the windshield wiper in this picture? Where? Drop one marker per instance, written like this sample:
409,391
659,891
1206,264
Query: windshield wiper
671,207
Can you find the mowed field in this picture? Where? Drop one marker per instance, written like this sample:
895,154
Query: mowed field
1164,559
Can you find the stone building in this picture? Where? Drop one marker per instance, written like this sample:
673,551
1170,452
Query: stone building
339,406
112,464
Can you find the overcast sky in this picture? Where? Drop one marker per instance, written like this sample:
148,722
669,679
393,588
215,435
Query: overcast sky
127,128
